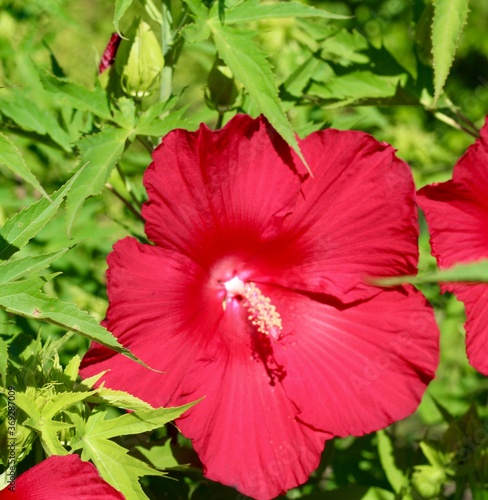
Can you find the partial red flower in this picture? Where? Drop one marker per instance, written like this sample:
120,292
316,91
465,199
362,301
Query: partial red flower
457,215
253,297
61,478
108,56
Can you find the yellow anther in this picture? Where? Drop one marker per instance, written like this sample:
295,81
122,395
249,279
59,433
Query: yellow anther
263,313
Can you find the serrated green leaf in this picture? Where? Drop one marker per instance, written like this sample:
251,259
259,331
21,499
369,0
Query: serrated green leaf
48,431
476,272
252,10
72,368
394,474
25,286
120,399
357,85
118,468
160,457
99,154
137,422
29,116
23,226
77,96
3,361
157,127
125,114
12,158
250,66
14,269
33,304
450,17
121,7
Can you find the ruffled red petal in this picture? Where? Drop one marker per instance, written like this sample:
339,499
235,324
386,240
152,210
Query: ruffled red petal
457,215
62,478
159,311
211,192
357,369
356,219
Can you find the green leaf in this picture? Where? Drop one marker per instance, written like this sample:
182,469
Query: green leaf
77,96
12,158
252,10
121,7
118,468
120,399
114,464
23,226
48,433
250,66
395,476
29,116
24,299
476,272
137,422
99,154
3,361
450,17
151,124
14,269
160,457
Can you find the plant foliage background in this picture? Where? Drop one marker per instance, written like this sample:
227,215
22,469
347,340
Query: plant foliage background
74,146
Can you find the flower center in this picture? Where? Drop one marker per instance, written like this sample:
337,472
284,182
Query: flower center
262,313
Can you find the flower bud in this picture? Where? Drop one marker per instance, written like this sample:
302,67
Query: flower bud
139,61
221,86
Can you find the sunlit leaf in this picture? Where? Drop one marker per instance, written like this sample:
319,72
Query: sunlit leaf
470,273
114,464
12,158
24,225
23,299
252,10
14,269
29,116
397,479
250,66
450,17
121,7
77,96
99,154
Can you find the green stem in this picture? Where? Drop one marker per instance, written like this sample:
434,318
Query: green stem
220,120
166,86
127,185
453,123
124,201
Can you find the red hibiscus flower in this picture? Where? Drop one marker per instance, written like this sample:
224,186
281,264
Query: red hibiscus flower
61,478
254,298
457,215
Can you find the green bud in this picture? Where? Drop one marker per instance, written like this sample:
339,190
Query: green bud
139,61
221,87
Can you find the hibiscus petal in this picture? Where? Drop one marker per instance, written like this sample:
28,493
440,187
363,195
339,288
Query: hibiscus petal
353,370
475,298
457,215
245,431
216,186
357,218
158,310
62,478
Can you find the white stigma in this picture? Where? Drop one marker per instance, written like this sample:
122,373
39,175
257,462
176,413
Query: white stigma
234,287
